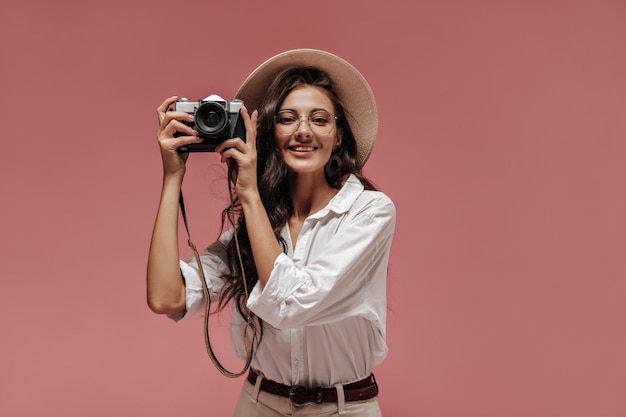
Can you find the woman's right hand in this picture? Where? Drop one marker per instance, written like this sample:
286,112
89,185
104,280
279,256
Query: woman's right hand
165,284
171,122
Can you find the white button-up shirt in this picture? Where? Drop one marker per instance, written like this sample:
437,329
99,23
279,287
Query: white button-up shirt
324,305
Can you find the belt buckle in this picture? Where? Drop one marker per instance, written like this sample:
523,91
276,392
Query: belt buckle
293,393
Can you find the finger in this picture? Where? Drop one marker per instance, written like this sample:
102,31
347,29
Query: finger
183,140
170,128
230,155
176,115
250,122
164,106
177,126
251,133
234,143
176,121
172,145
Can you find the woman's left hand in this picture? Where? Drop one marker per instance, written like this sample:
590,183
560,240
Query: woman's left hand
244,154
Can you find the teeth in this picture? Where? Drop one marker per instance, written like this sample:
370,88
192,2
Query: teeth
303,148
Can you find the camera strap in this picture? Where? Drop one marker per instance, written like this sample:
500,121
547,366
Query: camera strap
250,325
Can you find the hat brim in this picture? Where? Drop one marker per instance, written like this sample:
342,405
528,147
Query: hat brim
349,85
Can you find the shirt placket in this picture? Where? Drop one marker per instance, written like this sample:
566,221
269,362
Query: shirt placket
297,335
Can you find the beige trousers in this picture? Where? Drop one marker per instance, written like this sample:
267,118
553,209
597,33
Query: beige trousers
255,403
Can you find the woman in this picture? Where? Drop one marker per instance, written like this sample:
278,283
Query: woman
313,238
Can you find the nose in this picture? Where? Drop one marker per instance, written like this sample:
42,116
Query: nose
303,126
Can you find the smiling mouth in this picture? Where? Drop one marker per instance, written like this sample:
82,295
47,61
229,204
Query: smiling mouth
302,148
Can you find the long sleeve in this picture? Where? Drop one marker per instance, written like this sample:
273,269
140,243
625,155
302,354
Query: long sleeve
213,261
338,268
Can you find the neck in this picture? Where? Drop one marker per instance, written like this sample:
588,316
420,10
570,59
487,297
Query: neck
309,194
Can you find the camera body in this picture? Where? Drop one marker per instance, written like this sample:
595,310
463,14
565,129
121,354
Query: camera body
215,120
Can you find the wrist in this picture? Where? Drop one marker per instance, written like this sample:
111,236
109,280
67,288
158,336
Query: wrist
250,198
173,178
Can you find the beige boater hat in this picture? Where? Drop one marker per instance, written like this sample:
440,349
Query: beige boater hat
350,86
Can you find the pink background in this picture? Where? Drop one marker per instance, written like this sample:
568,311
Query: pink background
502,143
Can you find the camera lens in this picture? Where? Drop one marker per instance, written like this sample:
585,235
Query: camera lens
211,119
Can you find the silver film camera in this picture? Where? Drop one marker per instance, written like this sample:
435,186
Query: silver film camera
215,120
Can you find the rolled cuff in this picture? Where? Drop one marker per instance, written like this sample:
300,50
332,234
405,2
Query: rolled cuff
194,295
267,302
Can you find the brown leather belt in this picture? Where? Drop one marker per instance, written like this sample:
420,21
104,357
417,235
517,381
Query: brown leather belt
299,395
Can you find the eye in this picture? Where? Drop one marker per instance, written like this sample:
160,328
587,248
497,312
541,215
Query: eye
286,118
320,118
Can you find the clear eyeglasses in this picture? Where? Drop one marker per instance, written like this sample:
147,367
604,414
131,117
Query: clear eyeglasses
320,122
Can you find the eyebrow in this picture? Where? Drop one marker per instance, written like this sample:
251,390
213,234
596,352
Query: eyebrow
311,112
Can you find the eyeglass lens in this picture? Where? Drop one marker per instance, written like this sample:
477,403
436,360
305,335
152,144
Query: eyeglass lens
320,122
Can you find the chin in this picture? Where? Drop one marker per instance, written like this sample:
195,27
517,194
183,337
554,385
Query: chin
300,169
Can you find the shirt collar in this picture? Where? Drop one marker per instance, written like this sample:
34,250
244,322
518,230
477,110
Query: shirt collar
343,200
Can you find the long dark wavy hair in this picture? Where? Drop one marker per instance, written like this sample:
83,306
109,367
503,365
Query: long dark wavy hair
274,179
